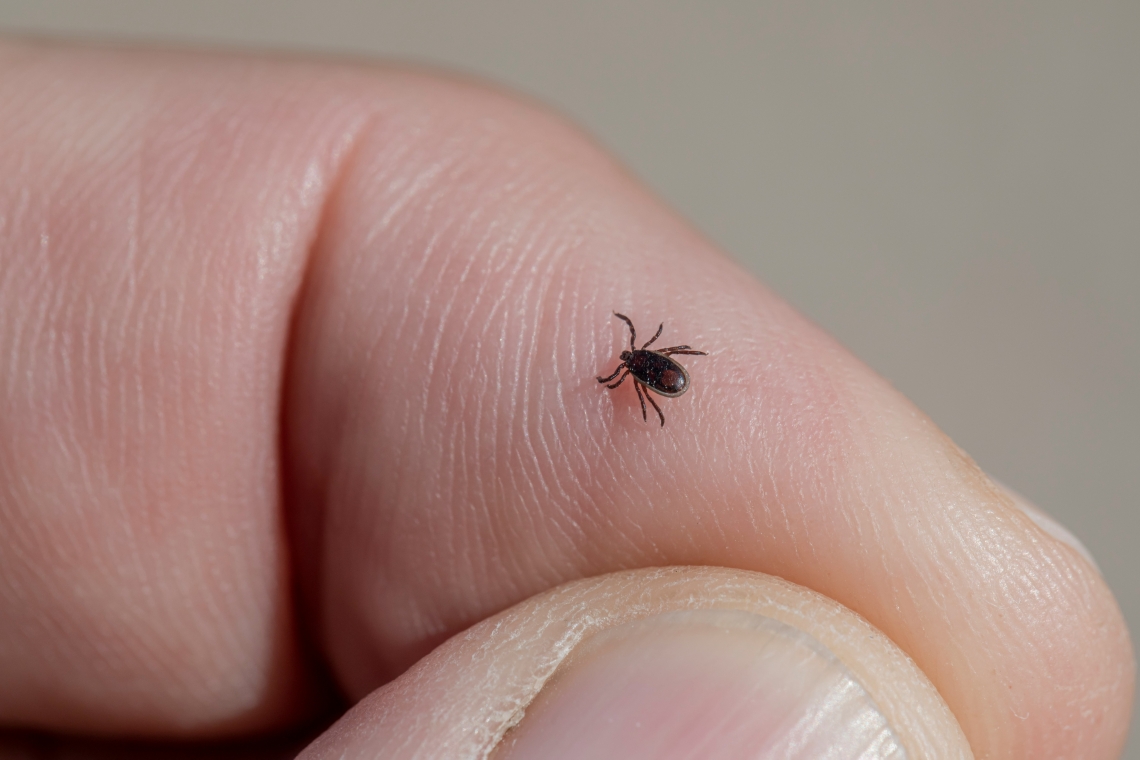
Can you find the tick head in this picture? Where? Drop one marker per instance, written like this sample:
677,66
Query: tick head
626,356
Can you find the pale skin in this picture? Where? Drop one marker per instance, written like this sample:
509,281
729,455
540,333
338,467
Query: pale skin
269,322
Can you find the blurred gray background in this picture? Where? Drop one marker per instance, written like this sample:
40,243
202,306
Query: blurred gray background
953,191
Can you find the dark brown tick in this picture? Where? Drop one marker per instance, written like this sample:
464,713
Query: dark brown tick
653,369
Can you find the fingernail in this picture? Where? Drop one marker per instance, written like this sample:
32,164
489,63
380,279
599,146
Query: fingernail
697,684
1049,524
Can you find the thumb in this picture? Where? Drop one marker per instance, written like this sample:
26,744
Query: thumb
662,663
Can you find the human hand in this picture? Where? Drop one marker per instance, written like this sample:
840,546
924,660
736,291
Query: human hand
274,325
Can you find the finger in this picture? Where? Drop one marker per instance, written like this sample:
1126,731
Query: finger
677,662
450,451
155,218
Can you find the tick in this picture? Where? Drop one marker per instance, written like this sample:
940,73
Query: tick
656,370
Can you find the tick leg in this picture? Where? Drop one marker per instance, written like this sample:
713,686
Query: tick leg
672,348
688,352
620,379
656,335
659,414
611,377
641,398
632,331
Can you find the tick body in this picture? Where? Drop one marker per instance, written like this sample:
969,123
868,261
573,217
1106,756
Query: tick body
656,370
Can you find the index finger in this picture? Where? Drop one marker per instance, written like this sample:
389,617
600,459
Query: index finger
452,442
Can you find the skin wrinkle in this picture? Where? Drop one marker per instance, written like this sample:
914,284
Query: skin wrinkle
541,486
420,329
521,366
474,477
341,157
367,125
548,484
574,450
128,282
886,533
462,521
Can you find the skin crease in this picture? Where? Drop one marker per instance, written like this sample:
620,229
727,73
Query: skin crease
414,277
